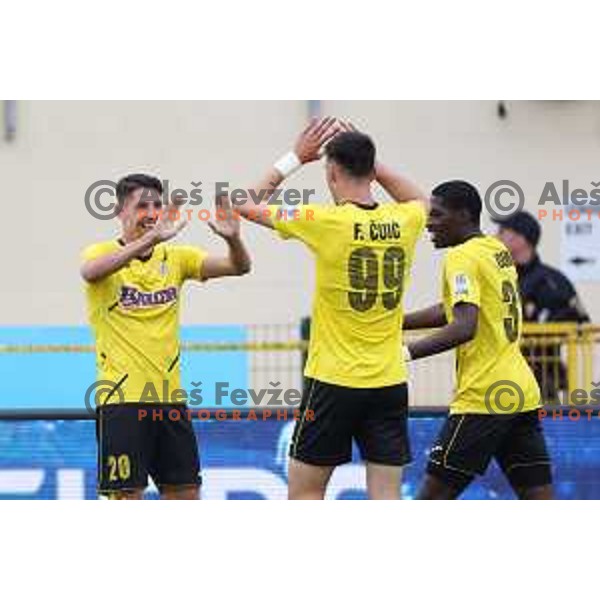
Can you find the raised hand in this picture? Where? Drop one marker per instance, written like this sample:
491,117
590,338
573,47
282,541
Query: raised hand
314,137
226,224
346,126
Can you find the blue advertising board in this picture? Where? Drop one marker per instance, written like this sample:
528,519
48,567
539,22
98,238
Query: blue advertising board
247,460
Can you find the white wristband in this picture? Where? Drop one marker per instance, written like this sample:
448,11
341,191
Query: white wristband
289,163
406,354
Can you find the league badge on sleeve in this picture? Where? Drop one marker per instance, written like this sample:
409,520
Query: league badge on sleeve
461,285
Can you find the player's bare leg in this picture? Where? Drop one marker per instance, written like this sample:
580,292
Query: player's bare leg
433,488
541,492
383,482
180,492
307,482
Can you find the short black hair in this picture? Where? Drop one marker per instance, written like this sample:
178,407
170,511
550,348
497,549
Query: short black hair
460,195
130,183
353,151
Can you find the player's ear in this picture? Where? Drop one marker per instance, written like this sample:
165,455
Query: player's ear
333,171
465,215
125,214
122,214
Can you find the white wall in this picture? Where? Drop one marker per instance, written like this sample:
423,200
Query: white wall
61,147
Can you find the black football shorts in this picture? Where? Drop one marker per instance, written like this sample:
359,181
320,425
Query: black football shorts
467,443
332,416
140,440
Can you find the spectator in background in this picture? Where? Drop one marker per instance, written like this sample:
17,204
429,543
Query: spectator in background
547,297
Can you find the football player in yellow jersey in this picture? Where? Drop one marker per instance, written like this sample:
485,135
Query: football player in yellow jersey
494,410
133,288
363,251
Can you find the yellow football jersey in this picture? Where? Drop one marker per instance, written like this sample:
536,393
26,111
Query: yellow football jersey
135,317
492,375
363,258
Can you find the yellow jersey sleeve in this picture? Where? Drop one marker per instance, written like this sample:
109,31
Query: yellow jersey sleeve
96,251
101,291
306,224
190,261
461,279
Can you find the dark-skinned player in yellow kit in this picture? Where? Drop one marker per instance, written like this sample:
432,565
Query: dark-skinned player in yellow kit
363,250
494,411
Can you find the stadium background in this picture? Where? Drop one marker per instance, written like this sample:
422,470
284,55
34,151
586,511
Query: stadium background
60,148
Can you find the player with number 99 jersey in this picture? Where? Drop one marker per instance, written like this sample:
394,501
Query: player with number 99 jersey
356,375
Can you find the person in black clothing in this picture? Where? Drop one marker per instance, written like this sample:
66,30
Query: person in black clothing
547,297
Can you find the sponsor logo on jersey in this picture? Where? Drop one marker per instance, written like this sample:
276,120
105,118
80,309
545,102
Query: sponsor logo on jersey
133,298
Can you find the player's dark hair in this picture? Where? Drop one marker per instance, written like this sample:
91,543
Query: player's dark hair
134,182
353,151
460,195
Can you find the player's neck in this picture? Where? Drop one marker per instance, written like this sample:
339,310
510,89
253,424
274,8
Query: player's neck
470,234
359,195
130,236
